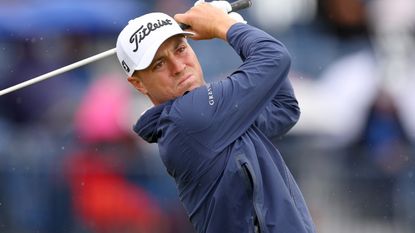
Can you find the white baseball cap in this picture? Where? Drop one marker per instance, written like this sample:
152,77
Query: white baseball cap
139,41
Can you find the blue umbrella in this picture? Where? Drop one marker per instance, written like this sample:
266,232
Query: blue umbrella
40,17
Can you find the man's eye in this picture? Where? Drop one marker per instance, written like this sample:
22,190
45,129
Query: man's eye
181,49
158,65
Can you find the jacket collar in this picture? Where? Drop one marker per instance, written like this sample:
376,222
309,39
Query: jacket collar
147,125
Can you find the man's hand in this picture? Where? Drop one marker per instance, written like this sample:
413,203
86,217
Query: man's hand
206,21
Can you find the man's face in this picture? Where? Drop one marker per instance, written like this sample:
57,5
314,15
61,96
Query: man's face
174,70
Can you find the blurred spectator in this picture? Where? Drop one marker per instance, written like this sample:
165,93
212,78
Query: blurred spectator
341,70
346,18
379,157
393,24
353,77
102,196
361,106
105,201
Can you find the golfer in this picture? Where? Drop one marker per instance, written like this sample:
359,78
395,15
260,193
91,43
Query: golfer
214,138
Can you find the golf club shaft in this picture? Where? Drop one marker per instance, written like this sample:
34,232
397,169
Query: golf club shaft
58,71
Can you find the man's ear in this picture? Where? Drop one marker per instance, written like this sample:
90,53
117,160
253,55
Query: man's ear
138,84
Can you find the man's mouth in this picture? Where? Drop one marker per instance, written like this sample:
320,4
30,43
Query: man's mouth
184,79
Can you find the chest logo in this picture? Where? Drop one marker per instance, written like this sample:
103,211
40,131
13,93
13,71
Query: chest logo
211,99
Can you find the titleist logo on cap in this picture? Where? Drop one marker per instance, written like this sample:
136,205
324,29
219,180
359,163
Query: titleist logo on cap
143,32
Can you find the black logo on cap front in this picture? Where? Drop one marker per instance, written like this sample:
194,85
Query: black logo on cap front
143,32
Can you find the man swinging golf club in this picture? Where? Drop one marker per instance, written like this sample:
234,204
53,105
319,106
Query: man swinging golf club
214,138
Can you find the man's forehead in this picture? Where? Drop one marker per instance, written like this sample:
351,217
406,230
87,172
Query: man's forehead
172,42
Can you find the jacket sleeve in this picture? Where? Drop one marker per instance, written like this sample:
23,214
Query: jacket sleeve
280,114
220,112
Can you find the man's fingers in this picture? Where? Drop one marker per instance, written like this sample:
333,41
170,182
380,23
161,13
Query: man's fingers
180,18
206,21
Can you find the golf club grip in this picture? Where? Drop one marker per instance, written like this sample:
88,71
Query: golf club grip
236,6
240,5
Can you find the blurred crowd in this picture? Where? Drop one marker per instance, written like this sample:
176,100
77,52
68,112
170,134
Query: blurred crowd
70,163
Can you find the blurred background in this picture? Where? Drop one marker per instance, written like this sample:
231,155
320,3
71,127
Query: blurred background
70,163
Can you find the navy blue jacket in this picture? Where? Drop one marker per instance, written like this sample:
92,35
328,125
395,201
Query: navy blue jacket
215,143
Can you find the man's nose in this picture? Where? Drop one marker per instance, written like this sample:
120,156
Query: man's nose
177,66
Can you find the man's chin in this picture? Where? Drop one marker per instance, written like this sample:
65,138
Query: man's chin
194,86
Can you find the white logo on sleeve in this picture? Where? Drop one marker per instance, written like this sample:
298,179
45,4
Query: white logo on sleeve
211,99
